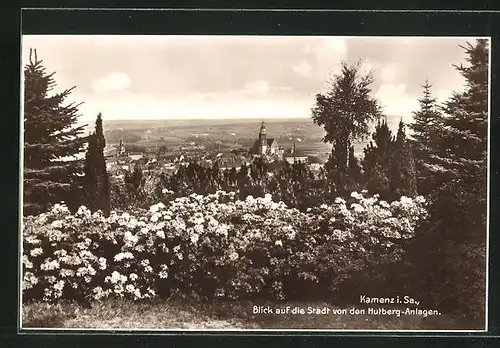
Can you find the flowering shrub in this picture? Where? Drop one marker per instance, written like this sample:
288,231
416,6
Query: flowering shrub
211,246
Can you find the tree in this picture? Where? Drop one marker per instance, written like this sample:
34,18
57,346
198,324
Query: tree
426,132
377,159
425,119
462,147
345,112
51,141
96,180
162,150
135,177
402,173
449,248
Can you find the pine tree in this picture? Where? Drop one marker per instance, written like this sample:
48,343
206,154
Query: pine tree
402,173
377,159
96,180
449,248
51,141
425,120
464,130
426,134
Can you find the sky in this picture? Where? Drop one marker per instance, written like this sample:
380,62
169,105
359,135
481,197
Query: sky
193,77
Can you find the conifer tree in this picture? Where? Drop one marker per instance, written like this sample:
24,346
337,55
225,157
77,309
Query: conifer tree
425,120
135,177
462,146
51,140
243,181
449,249
402,173
96,180
354,168
377,159
426,134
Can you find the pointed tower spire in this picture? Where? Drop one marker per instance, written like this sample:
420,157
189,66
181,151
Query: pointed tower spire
263,139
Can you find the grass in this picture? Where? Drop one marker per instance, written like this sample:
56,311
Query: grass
184,314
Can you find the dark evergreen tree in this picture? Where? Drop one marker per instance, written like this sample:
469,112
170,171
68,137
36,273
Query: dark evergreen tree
402,172
377,160
449,250
354,169
462,146
134,178
51,141
425,121
96,180
243,181
426,134
345,112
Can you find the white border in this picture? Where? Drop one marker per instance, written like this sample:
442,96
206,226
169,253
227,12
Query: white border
488,186
260,332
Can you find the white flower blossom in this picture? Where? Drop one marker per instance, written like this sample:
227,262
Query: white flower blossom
36,252
194,238
56,224
102,263
339,200
233,256
157,207
356,195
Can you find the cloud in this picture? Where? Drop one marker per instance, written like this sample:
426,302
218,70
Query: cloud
226,105
336,45
302,69
366,67
388,74
282,88
442,94
207,74
117,81
257,87
328,53
396,102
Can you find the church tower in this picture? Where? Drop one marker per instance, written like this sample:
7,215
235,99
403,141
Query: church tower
263,139
121,148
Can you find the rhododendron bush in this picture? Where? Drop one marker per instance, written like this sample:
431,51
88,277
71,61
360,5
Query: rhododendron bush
212,246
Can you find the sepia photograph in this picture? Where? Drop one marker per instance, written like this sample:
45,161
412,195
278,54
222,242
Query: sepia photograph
254,183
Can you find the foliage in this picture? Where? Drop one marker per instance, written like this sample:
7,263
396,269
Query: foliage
345,112
212,246
425,120
377,159
49,136
426,135
389,169
96,181
450,248
402,170
134,178
462,148
297,186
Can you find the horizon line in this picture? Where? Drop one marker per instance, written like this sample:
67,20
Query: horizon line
210,119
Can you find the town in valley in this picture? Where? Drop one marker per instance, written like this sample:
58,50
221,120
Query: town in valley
162,146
